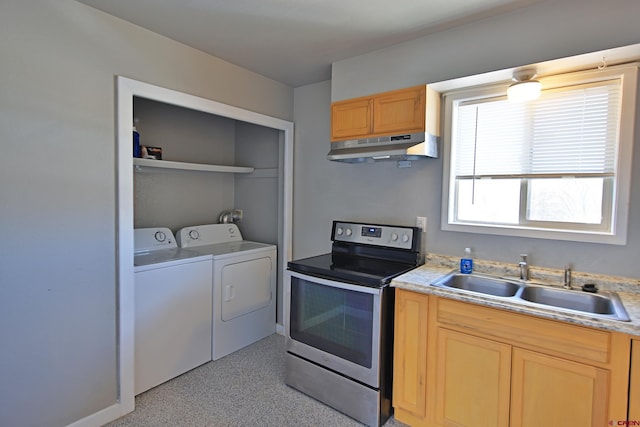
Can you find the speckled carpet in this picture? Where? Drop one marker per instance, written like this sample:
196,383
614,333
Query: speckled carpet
245,388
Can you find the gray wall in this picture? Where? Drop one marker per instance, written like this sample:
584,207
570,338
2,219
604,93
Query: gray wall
184,135
193,136
178,198
324,190
314,177
257,193
57,187
381,192
57,175
543,31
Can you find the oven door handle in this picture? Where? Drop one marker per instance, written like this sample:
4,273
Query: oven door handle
336,284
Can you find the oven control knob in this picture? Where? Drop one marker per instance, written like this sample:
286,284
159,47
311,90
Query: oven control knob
405,238
194,234
339,231
394,236
160,236
349,232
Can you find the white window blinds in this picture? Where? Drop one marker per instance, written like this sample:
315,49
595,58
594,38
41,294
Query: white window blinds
569,131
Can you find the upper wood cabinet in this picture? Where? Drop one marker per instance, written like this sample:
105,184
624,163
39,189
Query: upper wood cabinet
410,110
351,118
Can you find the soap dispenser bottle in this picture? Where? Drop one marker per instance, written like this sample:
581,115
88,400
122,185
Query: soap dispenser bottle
466,262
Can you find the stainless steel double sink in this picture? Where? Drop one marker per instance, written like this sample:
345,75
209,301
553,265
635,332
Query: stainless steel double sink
606,305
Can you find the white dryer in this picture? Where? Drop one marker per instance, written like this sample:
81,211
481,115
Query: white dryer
244,284
172,308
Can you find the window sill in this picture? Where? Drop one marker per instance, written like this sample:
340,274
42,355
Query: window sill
517,231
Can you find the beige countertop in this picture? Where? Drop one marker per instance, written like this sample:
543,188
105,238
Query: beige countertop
421,278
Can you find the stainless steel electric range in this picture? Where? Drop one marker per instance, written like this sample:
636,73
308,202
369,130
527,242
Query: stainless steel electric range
339,318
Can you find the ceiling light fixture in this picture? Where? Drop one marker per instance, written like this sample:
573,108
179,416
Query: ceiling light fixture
525,88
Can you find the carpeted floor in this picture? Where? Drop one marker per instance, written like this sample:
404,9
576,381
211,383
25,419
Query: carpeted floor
244,389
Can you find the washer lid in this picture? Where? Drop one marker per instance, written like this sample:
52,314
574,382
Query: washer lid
163,256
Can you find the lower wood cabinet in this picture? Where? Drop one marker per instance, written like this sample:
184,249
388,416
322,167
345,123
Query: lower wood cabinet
634,383
550,391
410,354
472,380
489,367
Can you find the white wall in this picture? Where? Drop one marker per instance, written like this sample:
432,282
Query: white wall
57,192
381,192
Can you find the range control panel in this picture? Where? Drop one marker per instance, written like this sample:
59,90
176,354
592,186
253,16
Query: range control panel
392,236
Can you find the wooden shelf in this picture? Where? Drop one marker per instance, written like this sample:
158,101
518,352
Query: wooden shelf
166,164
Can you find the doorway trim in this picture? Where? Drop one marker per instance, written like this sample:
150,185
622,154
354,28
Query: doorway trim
126,90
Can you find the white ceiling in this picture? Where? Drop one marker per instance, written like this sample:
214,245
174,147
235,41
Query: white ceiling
295,41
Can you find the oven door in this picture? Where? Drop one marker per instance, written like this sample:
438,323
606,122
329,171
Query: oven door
334,324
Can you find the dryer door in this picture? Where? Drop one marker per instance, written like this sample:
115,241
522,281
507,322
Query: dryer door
246,287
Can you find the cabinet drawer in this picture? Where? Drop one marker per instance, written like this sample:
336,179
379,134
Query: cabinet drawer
576,342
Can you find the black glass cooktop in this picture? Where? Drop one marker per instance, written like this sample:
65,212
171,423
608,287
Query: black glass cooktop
358,270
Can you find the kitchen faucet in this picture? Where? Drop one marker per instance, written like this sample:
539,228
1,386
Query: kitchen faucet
524,267
567,277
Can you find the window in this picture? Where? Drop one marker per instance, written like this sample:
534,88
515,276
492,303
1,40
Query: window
557,167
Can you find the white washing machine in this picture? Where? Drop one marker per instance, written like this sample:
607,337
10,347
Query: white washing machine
172,308
244,285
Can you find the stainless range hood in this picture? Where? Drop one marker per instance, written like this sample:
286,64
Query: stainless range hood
412,146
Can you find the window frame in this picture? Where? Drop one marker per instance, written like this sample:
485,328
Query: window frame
628,74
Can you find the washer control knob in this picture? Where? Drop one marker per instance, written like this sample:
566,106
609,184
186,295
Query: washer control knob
339,231
349,232
160,236
405,238
394,236
193,234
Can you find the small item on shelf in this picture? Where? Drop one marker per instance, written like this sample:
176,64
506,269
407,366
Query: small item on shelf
154,153
136,140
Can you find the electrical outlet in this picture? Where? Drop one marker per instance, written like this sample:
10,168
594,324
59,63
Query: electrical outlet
421,223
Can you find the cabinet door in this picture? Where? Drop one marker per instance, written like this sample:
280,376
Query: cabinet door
634,382
472,381
351,119
548,391
410,353
399,111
